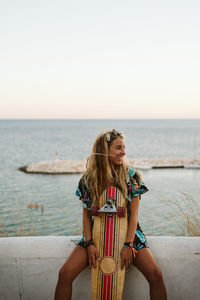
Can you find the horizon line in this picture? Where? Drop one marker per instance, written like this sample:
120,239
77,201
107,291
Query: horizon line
86,119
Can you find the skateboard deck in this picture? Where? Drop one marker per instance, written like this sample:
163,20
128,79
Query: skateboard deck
109,234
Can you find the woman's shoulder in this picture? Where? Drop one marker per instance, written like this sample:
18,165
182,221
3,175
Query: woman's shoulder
130,171
135,185
81,186
83,193
133,174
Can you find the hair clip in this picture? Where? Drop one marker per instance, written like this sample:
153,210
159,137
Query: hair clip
108,137
114,131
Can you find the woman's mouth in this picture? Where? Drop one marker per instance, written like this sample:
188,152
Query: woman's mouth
119,157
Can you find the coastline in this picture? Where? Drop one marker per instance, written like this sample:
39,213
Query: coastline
78,166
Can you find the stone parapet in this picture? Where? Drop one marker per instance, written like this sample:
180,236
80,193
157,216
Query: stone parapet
29,268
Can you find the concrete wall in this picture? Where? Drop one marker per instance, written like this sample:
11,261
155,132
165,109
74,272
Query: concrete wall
29,268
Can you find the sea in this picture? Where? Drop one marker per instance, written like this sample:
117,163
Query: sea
39,204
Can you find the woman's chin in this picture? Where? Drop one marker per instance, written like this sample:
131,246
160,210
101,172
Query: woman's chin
118,162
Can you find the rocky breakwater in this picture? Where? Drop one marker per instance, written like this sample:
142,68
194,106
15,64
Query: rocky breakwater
161,163
55,167
78,166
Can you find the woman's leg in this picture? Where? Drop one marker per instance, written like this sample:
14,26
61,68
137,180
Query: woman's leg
146,263
77,261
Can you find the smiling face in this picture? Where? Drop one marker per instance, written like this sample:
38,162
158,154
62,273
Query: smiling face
117,151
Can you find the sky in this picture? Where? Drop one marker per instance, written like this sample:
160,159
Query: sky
99,59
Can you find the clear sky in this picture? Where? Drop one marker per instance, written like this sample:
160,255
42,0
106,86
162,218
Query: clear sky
100,59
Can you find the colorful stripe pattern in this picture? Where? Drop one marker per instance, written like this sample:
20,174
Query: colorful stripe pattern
109,234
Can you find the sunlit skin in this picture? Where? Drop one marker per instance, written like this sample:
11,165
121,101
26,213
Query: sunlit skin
117,151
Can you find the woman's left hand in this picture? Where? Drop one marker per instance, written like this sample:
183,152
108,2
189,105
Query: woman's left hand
126,257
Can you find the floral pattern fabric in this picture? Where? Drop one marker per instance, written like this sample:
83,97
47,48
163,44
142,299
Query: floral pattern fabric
134,188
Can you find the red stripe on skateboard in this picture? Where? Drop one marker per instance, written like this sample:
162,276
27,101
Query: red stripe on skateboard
111,243
112,192
108,246
107,236
104,287
108,287
111,235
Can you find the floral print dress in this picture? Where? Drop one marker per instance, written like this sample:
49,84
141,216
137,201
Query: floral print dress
134,188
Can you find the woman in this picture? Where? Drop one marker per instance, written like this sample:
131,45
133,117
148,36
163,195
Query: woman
106,167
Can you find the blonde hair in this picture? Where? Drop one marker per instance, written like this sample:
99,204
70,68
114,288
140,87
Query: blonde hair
100,171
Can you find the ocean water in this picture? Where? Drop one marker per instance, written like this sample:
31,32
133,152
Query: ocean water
25,141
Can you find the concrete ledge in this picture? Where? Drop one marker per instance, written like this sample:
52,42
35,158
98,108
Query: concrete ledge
29,268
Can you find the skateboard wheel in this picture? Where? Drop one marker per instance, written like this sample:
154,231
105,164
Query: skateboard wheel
94,211
121,211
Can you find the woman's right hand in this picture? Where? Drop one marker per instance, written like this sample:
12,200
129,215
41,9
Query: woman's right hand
93,254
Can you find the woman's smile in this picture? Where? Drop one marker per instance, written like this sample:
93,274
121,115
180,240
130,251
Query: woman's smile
117,151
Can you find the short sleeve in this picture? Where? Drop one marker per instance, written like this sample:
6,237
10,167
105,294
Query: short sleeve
135,185
83,194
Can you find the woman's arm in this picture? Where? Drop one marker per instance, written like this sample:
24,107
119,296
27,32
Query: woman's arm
133,219
126,253
91,249
86,225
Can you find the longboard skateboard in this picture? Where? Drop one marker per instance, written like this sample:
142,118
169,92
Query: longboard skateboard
109,234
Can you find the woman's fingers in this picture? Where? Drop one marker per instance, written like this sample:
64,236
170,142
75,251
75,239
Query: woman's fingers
122,263
127,263
94,261
97,254
90,263
96,257
126,259
93,255
122,260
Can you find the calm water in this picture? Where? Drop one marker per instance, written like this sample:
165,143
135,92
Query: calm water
23,142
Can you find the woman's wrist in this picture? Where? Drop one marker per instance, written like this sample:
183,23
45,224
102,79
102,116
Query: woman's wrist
88,243
130,245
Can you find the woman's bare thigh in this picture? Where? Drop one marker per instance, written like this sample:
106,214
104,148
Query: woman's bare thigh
75,263
146,263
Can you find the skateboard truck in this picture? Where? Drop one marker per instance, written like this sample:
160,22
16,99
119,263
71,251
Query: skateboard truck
109,207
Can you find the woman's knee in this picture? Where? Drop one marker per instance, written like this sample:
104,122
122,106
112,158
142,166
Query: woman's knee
156,276
76,262
66,274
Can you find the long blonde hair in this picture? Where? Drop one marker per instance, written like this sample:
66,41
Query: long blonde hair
100,171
